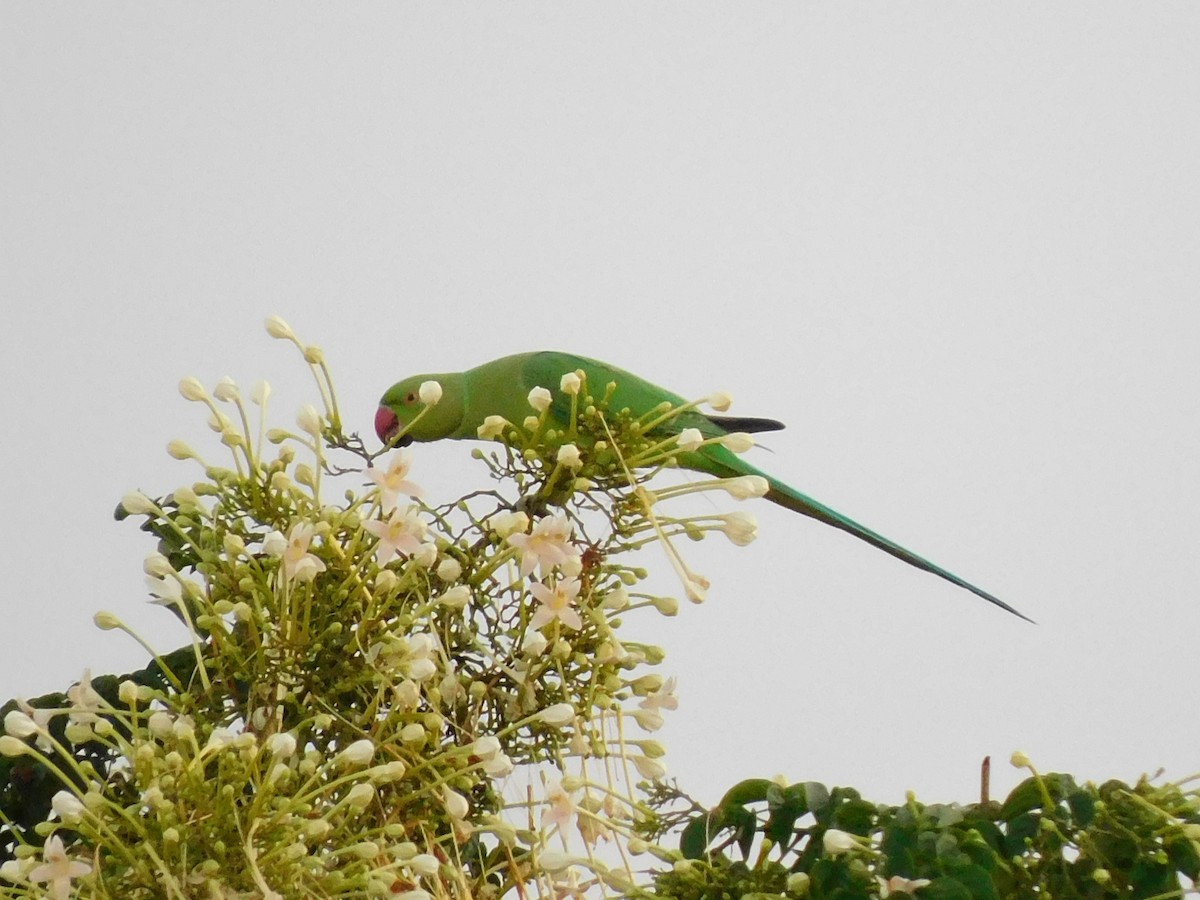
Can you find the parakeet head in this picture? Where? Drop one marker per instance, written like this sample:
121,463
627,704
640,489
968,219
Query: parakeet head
402,408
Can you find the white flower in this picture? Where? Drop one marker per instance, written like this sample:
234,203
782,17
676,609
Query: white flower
394,480
740,527
260,392
556,602
547,546
570,383
430,393
85,700
737,441
298,563
539,399
167,591
57,869
837,842
690,439
721,401
568,455
746,486
661,698
400,535
492,427
559,806
277,328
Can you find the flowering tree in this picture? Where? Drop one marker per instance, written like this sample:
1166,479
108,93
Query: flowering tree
383,696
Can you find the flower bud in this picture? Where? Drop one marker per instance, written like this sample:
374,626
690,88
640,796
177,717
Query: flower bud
455,598
357,754
430,392
737,441
690,439
11,746
539,398
492,428
837,842
568,455
314,355
424,864
68,807
281,745
558,714
649,768
309,420
177,449
570,383
746,486
277,328
106,621
138,504
667,606
741,528
226,390
18,724
361,795
449,569
456,804
260,392
192,389
721,401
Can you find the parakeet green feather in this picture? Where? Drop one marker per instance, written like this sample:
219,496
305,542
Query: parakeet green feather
501,388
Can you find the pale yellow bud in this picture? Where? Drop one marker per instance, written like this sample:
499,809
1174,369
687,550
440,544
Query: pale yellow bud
278,328
192,389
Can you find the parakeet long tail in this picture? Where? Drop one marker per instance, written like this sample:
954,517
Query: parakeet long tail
791,498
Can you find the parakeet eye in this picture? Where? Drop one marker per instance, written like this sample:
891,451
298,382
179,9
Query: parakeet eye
410,397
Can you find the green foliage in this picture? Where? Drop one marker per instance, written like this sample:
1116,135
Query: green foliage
1050,837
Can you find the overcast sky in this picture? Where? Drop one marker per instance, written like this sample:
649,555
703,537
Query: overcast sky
953,246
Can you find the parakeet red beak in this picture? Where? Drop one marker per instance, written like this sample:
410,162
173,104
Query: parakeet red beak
387,424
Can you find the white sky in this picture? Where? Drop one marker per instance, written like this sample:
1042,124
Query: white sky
954,247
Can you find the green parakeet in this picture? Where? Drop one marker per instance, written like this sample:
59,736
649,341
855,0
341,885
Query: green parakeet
501,388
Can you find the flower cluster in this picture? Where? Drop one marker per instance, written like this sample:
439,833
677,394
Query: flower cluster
376,688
